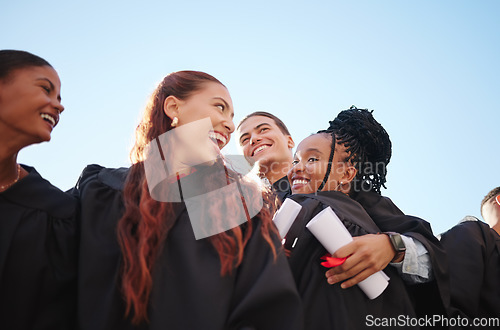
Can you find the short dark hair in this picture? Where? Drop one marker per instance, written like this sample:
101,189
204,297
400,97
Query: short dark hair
494,192
277,121
368,145
11,60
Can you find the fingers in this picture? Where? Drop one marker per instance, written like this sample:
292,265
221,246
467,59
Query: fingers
356,279
366,257
344,272
346,250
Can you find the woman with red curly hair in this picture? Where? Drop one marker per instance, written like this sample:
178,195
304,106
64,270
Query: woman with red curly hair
178,241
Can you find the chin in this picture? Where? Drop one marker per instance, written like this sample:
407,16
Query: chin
302,191
41,138
261,161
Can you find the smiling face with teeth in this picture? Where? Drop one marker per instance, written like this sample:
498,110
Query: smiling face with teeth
310,164
262,141
212,101
30,104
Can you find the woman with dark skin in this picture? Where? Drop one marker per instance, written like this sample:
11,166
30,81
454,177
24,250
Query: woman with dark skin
38,238
320,177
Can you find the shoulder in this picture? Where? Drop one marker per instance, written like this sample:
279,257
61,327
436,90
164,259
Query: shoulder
374,202
467,230
347,209
469,225
113,178
325,197
35,192
338,201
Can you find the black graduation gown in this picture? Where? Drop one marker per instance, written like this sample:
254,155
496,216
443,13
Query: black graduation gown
188,290
38,242
329,306
282,188
474,256
432,298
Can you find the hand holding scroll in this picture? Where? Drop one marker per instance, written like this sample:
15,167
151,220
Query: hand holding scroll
367,254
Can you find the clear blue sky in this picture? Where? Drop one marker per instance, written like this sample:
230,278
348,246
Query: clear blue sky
429,68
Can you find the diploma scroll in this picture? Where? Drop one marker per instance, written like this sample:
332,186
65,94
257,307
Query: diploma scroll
284,218
332,234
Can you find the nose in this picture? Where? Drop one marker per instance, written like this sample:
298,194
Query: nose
60,108
56,103
297,167
254,138
229,125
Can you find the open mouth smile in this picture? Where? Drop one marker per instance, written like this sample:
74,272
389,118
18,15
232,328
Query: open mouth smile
298,183
260,149
218,138
49,118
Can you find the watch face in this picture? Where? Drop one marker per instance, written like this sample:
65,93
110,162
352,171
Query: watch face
398,243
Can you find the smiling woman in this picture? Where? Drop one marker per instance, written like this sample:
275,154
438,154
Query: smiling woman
38,226
180,260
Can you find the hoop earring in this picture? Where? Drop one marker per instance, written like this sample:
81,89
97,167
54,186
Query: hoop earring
175,121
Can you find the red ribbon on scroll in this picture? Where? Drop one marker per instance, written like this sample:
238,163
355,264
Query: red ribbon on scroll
331,261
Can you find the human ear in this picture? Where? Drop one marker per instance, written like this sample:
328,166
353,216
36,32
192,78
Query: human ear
171,107
290,142
347,177
349,174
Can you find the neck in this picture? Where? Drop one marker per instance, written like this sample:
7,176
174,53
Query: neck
275,170
495,225
8,157
9,172
10,144
9,148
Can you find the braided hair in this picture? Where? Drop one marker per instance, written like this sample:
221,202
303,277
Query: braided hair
368,145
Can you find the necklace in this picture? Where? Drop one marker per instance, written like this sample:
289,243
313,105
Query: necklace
4,187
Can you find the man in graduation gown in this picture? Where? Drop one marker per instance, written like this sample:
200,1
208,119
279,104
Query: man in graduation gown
473,249
266,141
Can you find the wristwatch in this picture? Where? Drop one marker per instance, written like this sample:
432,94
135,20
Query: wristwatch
397,243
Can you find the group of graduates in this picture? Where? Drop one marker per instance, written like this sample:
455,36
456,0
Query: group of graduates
450,280
181,240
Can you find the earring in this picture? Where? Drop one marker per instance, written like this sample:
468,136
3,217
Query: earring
175,121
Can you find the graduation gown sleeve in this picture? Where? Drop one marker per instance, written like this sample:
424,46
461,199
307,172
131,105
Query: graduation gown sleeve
100,304
432,297
38,256
473,252
329,306
188,290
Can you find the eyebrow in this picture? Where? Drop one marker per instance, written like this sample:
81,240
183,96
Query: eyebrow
255,128
51,86
225,104
313,150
